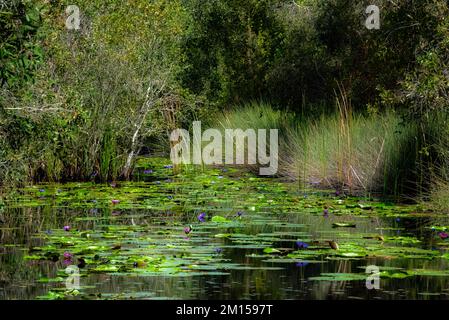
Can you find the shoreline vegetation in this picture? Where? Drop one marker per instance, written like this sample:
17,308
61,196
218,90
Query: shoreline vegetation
355,110
359,111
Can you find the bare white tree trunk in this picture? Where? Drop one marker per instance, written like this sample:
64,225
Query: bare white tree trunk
133,151
153,93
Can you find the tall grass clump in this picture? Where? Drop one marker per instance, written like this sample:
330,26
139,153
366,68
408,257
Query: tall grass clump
256,116
354,152
437,151
351,152
342,150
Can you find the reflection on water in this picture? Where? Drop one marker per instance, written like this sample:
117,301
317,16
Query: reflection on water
19,278
249,251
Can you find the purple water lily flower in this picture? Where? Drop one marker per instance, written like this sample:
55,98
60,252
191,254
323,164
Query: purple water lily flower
148,171
302,264
187,230
115,201
66,228
239,214
67,255
443,235
67,262
301,245
202,217
168,166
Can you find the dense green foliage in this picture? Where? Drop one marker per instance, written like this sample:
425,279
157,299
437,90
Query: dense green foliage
82,104
101,92
19,52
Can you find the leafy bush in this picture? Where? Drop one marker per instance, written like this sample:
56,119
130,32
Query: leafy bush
100,93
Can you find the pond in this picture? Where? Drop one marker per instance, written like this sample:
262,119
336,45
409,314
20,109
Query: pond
215,233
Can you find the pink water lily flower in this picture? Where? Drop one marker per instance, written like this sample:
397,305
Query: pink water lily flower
187,230
443,235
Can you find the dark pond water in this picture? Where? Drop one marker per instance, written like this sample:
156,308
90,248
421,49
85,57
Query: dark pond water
258,239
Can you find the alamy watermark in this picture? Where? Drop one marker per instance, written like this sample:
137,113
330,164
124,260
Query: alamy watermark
73,280
373,280
73,20
236,144
373,19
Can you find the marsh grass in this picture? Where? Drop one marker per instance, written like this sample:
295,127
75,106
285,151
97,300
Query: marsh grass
437,129
355,153
256,116
345,151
